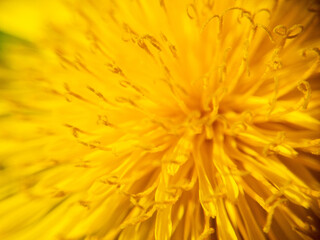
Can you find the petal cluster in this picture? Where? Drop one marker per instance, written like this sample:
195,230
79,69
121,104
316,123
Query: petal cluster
148,119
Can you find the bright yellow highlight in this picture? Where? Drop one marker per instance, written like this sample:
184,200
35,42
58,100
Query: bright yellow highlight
158,119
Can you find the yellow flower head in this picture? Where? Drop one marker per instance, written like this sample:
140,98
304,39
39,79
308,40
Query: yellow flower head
159,119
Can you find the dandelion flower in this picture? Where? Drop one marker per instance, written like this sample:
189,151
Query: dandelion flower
158,119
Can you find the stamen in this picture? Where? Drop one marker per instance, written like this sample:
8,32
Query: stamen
94,145
103,119
99,94
314,66
243,11
192,11
59,194
83,164
223,66
131,35
85,204
267,31
126,100
206,233
145,215
163,5
69,92
78,60
115,69
75,130
280,30
209,4
210,19
63,59
273,100
294,31
261,11
305,88
271,211
153,41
